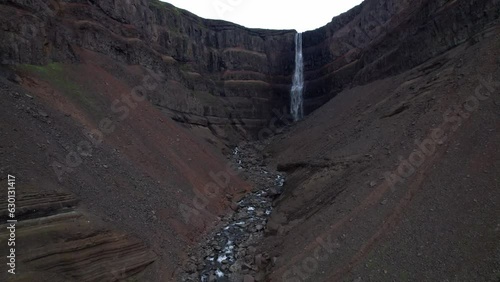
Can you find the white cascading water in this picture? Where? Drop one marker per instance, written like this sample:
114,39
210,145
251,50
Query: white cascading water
297,101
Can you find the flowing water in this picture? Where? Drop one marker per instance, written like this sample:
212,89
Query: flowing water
296,94
227,254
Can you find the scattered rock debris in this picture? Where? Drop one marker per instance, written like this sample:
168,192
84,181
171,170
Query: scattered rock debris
229,254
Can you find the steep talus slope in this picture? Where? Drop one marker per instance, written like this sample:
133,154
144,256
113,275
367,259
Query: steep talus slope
396,180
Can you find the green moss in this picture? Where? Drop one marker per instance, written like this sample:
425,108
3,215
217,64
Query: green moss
45,70
56,75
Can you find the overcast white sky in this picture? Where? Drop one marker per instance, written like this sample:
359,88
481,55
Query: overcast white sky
270,14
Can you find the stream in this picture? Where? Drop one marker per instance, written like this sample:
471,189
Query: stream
229,253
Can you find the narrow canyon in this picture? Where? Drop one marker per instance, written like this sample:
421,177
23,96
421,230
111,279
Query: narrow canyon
145,143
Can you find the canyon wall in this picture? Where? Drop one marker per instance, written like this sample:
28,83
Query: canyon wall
228,78
219,75
379,38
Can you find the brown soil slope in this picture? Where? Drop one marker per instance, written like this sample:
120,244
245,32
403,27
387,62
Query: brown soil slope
136,171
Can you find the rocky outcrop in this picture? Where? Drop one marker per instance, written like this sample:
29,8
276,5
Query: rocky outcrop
57,242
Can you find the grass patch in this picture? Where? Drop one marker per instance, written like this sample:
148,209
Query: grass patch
56,75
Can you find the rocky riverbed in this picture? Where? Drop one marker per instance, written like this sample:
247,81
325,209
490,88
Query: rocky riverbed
230,253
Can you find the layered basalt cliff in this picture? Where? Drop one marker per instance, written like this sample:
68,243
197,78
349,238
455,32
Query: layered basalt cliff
229,78
219,75
384,37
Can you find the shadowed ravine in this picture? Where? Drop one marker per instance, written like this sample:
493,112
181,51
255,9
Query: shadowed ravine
229,253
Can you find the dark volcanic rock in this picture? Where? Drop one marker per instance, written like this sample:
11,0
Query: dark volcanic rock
379,38
218,73
229,78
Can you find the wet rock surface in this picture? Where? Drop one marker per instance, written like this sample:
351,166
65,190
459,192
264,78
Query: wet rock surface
230,254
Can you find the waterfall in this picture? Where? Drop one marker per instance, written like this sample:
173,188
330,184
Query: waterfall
296,99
